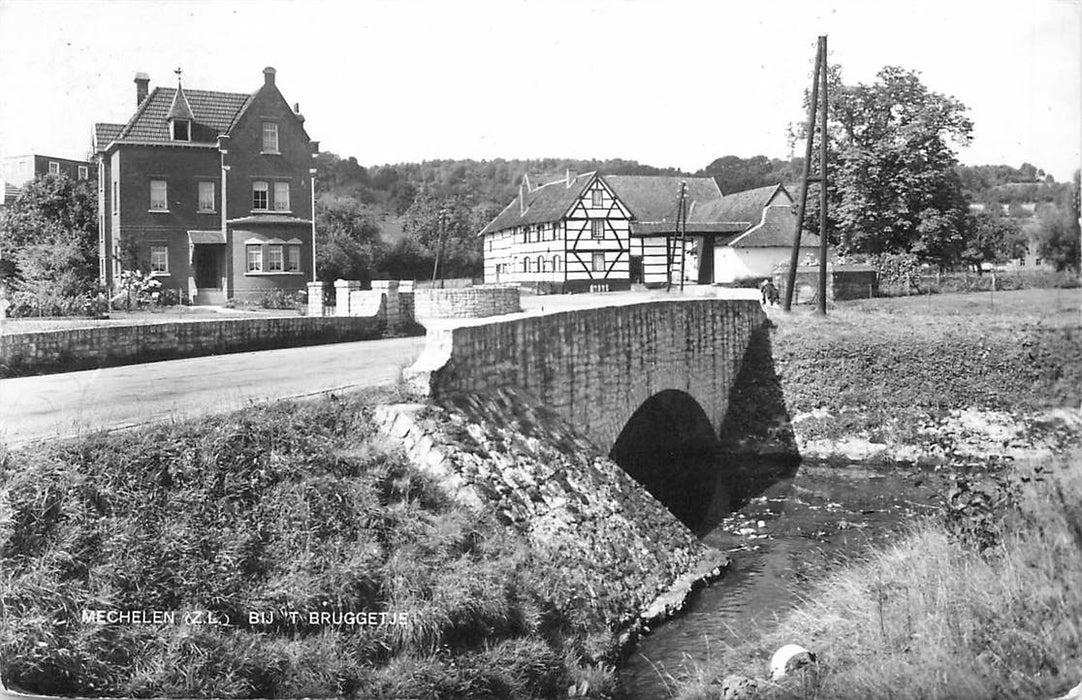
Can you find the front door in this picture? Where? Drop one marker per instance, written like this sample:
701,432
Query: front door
207,261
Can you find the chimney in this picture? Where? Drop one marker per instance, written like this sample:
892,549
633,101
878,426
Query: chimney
523,190
570,176
268,76
142,87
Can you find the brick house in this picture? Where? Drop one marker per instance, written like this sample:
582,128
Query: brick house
16,171
210,192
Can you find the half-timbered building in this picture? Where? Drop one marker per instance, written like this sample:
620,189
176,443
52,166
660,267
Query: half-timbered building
595,232
589,232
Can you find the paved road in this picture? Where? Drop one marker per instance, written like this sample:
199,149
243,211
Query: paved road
62,405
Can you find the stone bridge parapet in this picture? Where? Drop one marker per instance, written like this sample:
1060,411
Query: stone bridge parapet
595,367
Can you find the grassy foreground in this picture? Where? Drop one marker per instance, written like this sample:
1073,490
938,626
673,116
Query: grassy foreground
943,614
224,536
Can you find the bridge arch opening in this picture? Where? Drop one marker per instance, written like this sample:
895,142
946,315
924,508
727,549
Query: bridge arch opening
670,447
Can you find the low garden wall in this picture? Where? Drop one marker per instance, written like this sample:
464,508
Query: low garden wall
468,302
87,348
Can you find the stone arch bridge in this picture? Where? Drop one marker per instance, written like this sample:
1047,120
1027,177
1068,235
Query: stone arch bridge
650,382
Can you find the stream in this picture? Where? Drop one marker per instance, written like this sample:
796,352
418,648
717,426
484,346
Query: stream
779,539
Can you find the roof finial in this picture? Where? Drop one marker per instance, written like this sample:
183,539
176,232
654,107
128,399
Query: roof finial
178,71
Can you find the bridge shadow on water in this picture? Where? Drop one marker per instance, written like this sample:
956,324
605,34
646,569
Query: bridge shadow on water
701,473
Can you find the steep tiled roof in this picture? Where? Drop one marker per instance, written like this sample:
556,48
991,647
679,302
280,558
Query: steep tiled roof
776,230
213,113
105,134
744,206
654,197
545,203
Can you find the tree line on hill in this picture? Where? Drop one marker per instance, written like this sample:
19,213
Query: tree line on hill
896,189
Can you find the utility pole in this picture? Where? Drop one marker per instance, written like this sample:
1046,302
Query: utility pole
820,75
442,224
682,225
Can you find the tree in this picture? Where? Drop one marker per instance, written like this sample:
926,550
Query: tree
53,209
893,186
993,238
447,227
347,239
1058,238
50,235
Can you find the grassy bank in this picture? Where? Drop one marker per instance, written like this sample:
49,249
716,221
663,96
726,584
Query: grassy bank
983,599
280,512
886,368
984,603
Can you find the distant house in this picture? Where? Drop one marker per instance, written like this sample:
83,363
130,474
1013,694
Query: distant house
209,192
767,239
16,171
595,232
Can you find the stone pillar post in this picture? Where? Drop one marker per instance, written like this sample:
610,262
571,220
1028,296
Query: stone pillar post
342,288
389,289
315,299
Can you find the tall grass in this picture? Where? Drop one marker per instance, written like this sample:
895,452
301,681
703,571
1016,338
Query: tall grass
937,617
291,507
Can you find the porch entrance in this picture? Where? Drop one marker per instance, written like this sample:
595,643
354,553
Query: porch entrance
208,265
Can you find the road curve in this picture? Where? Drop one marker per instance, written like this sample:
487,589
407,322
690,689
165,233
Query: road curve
63,405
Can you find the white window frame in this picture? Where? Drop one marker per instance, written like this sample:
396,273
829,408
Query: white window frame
54,167
594,266
596,199
159,203
261,187
159,260
281,201
84,172
253,263
556,263
293,258
276,258
597,229
270,137
202,188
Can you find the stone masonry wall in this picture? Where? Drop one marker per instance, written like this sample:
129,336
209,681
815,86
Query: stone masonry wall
64,350
470,302
596,367
612,550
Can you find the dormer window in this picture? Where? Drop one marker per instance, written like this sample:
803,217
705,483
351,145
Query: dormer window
182,130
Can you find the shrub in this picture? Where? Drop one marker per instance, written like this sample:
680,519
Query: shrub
282,299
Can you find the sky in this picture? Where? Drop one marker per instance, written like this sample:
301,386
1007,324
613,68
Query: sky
664,82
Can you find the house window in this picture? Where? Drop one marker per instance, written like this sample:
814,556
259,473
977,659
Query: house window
270,137
281,196
293,258
159,259
275,261
159,199
540,264
599,262
255,258
54,167
206,196
595,198
84,173
597,229
259,195
182,130
555,263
